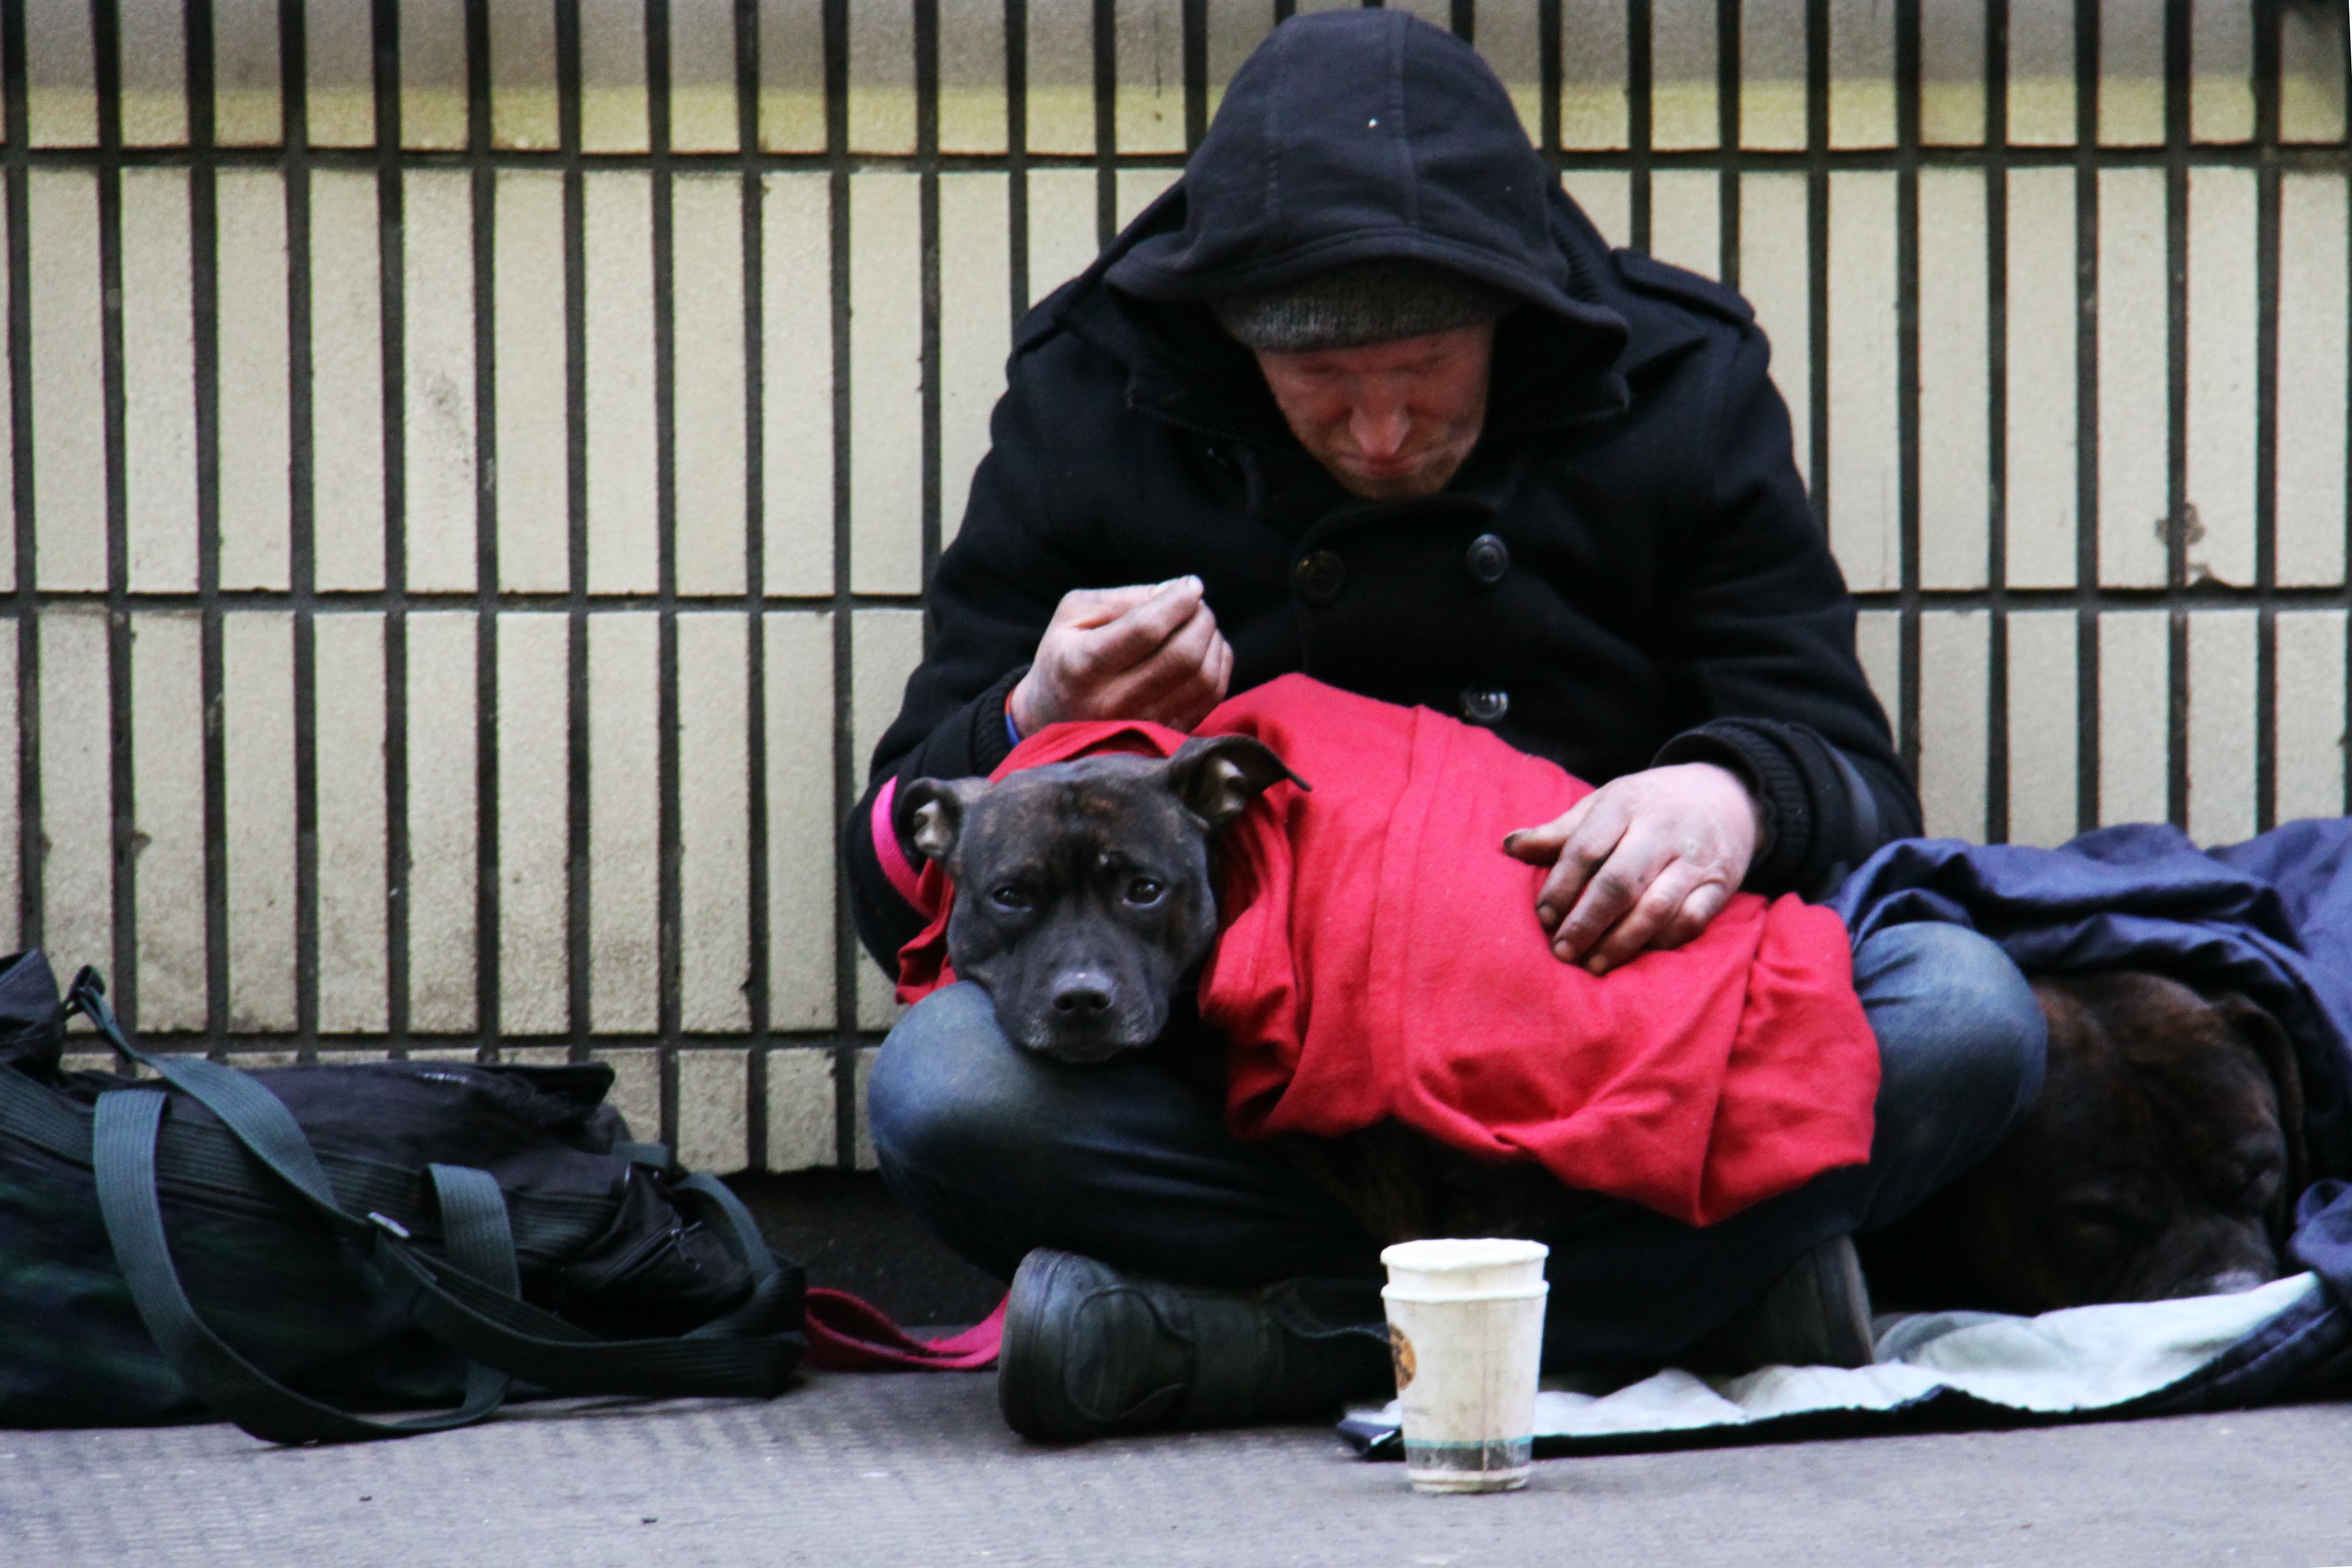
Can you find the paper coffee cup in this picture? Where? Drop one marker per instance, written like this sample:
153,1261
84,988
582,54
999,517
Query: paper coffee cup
1465,1321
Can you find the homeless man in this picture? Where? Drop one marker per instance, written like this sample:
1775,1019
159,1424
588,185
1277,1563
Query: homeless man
1365,396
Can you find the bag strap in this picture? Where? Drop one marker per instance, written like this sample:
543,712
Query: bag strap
123,1149
751,1350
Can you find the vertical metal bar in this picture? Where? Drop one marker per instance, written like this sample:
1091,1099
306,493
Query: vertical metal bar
755,646
1640,70
669,853
2086,414
575,397
847,766
391,260
2266,390
2178,520
106,34
1996,178
482,182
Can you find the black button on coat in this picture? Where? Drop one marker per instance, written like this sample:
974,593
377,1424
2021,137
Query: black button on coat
1660,590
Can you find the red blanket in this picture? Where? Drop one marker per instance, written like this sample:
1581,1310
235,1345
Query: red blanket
1380,958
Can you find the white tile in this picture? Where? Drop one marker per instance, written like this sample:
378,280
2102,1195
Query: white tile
69,409
1878,644
77,791
346,382
2308,779
1954,380
338,39
2041,486
2314,349
354,923
976,329
2222,709
885,648
622,492
2134,408
1776,274
702,77
159,383
1865,461
971,76
534,823
1060,100
1952,73
1236,27
637,1089
1682,99
1509,37
1148,106
862,1144
257,766
167,792
1137,189
444,814
1062,233
886,384
535,1056
1862,73
714,1111
798,663
2135,715
248,106
1594,106
799,1110
612,76
532,481
707,335
60,74
796,382
791,76
1607,197
2222,375
714,816
624,823
2131,73
151,50
442,492
2041,108
525,109
433,74
1687,219
1772,70
882,78
2311,73
1955,650
2221,71
256,476
2043,727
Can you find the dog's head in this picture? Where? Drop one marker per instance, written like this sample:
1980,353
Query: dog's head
2162,1158
1083,892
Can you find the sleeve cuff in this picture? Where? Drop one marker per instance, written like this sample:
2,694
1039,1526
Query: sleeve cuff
1771,776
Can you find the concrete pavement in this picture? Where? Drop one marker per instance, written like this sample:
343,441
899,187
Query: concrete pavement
915,1470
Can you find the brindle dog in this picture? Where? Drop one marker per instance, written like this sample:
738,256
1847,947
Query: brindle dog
2162,1159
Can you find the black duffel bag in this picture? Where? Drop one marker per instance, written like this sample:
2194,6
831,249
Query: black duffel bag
283,1246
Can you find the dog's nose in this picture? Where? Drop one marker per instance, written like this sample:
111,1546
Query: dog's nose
1082,997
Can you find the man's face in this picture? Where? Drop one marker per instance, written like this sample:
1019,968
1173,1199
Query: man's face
1393,421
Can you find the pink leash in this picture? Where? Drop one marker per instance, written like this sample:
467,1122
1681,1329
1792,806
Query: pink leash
847,1334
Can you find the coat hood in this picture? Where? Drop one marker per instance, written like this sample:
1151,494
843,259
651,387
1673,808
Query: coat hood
1350,135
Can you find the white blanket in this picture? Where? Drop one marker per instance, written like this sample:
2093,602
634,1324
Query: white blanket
2083,1359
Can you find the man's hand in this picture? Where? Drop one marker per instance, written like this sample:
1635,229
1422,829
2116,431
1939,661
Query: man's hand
1644,861
1150,651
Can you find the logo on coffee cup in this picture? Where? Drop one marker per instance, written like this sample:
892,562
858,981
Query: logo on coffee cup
1400,1349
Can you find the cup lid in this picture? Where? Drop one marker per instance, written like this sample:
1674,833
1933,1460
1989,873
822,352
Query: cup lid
1446,1255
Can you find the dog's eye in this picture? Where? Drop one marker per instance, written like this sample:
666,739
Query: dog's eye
1145,891
1009,897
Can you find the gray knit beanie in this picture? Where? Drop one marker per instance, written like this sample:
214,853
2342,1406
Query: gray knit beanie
1374,301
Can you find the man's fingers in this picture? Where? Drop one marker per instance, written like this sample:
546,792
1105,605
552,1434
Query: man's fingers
1540,846
1084,608
1608,893
1173,678
1118,646
1593,840
1652,922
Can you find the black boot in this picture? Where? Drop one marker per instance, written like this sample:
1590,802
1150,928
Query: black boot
1089,1350
1817,1314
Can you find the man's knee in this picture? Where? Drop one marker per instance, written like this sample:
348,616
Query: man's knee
1962,1043
948,1090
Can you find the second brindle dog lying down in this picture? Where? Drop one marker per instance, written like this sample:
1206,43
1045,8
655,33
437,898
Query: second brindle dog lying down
2162,1159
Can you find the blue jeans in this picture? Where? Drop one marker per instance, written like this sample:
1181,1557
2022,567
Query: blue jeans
998,1150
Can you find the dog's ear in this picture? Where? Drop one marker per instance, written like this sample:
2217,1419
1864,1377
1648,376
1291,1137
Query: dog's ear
928,816
1217,776
2254,1025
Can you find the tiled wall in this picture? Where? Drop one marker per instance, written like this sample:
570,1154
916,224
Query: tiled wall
473,462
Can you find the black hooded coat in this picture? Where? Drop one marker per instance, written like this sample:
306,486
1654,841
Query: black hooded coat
1624,573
